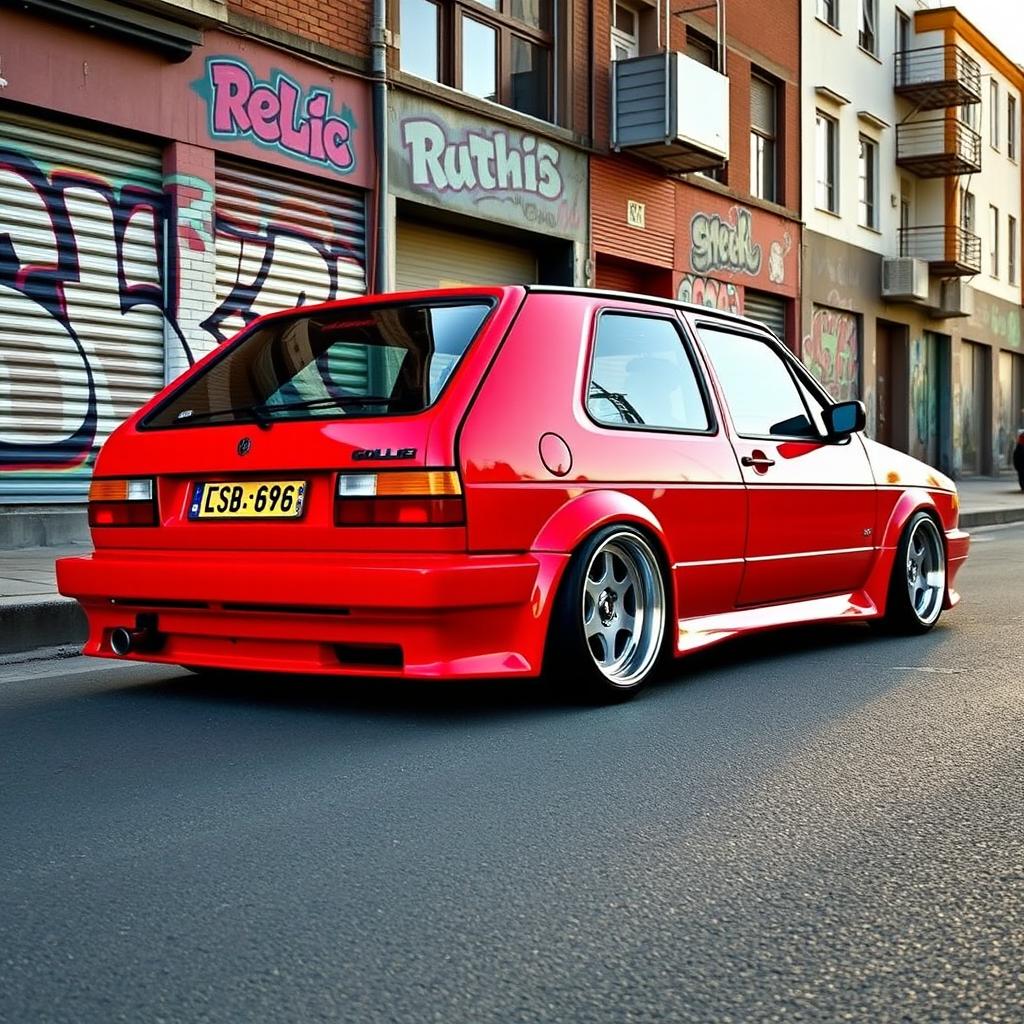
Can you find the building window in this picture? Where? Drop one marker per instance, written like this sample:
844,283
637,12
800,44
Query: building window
993,241
1011,249
1011,127
866,37
499,50
993,113
828,12
420,38
826,137
763,162
625,32
967,221
867,195
902,43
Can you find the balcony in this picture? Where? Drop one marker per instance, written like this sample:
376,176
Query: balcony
937,77
671,110
948,249
939,148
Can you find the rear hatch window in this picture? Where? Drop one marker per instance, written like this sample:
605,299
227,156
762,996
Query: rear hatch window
381,360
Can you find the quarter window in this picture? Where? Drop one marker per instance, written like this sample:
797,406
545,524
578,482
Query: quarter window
763,398
642,376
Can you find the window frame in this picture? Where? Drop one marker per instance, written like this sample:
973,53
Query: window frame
868,16
993,242
451,14
617,35
803,381
968,205
1011,126
832,157
993,113
758,136
869,206
827,12
699,373
1011,249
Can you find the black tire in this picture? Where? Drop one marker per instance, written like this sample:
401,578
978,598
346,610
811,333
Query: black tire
917,587
607,633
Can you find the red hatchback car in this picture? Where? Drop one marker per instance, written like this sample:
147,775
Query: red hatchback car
488,482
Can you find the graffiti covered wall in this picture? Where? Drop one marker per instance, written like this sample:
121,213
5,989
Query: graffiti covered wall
122,263
707,291
832,352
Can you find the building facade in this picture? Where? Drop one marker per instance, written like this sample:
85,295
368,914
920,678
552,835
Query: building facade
695,183
912,184
486,146
167,173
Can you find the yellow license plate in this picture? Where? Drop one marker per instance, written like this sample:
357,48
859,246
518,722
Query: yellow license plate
249,499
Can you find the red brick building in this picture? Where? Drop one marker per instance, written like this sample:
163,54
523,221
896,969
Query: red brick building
695,179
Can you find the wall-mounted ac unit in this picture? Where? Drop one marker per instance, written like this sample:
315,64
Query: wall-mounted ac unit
957,298
905,279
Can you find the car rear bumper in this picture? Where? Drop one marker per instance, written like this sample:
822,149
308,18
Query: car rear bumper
423,616
958,545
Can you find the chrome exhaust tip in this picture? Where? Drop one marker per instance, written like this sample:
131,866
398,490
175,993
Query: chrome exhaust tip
124,641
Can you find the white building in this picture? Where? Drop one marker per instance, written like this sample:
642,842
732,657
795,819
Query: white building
911,181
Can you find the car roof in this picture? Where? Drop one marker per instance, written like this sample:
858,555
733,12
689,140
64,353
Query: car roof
658,300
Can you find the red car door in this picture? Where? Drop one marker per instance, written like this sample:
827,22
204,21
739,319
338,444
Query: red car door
812,502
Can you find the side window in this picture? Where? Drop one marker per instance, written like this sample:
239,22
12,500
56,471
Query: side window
641,375
762,396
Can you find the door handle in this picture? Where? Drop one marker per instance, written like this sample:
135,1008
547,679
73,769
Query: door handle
758,460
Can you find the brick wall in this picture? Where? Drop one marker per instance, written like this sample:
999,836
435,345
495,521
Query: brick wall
344,26
759,34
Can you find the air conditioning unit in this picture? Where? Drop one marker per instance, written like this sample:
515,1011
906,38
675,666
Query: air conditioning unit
957,298
905,279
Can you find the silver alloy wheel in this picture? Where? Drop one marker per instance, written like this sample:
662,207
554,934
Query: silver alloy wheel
926,571
623,608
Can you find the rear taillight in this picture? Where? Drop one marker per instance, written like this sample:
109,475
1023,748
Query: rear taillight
429,497
122,503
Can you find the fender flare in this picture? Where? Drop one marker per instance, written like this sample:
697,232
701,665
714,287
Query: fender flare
915,500
587,512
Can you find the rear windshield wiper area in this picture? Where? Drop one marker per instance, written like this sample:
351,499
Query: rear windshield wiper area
262,413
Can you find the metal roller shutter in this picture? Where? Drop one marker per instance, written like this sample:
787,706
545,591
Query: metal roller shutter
767,309
287,241
81,300
430,257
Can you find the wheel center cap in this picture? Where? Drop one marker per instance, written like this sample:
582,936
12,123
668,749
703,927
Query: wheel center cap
606,606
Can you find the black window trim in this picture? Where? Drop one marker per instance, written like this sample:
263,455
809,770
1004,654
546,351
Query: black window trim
797,371
699,374
243,335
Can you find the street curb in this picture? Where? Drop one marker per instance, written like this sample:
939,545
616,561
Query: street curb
41,622
992,517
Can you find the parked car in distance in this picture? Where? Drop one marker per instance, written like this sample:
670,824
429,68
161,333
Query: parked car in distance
487,482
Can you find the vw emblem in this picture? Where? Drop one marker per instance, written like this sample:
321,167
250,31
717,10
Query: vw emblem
244,445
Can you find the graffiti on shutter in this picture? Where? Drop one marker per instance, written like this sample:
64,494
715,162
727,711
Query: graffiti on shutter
100,262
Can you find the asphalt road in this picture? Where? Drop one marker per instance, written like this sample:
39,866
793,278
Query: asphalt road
822,825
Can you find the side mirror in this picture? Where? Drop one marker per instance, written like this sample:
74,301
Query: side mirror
844,419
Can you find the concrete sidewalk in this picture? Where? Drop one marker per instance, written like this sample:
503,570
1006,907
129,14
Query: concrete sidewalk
33,614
